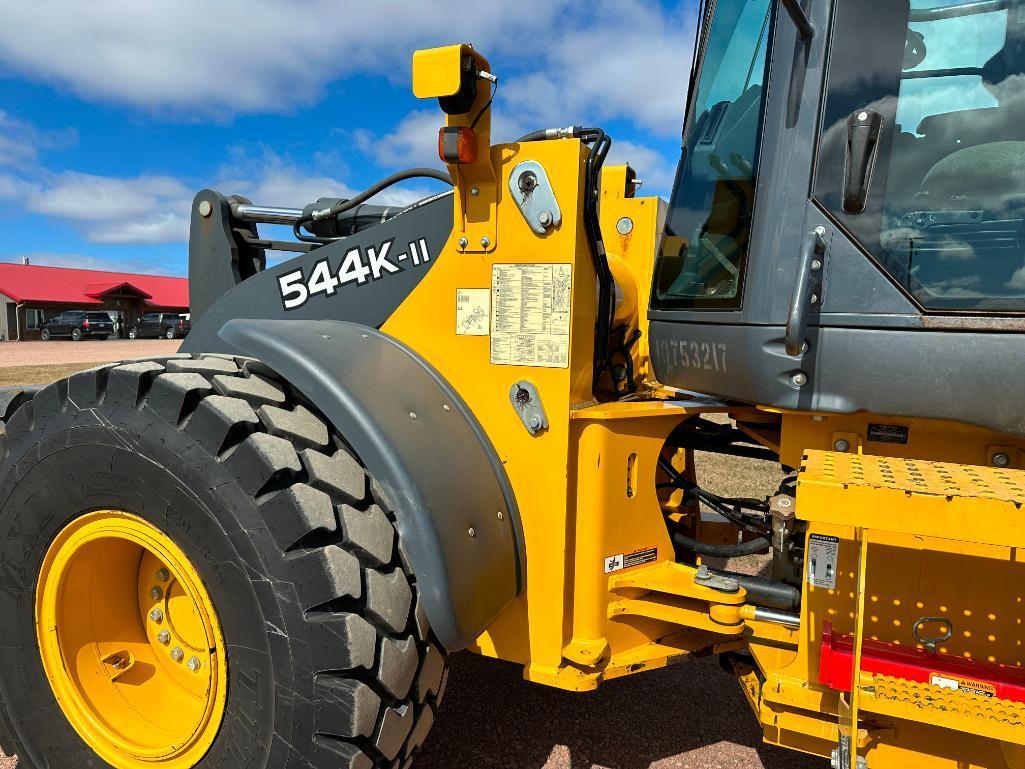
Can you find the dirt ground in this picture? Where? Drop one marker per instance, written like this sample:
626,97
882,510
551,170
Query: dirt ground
690,716
86,351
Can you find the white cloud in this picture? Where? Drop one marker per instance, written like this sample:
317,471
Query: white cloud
88,197
238,56
413,142
626,58
21,141
141,209
574,63
270,180
632,62
13,187
160,228
156,209
652,167
1017,281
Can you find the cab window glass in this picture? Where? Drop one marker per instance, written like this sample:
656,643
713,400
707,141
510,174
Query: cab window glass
944,210
704,247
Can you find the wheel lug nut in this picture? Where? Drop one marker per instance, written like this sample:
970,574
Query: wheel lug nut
177,654
156,593
163,575
194,664
156,615
164,637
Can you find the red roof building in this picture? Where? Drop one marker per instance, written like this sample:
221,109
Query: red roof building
31,294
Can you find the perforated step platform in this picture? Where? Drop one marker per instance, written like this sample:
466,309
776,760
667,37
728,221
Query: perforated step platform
940,499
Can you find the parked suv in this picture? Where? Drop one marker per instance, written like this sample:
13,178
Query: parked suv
156,324
77,325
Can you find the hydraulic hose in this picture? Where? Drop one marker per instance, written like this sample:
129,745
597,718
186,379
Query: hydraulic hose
751,547
765,592
369,192
543,134
600,144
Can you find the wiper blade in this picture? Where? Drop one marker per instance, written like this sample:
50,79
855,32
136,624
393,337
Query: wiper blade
805,30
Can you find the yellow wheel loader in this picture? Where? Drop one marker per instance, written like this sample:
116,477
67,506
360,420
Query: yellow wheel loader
471,423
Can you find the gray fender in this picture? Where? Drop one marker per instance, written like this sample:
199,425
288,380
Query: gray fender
434,465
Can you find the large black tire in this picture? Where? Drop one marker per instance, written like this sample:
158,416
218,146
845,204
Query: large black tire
45,335
76,335
133,333
170,333
331,661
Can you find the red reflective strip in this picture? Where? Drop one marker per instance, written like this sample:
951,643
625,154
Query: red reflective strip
836,666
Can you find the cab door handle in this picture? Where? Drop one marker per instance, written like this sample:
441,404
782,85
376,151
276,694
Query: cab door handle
863,130
807,291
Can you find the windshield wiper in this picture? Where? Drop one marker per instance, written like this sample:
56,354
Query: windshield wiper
805,30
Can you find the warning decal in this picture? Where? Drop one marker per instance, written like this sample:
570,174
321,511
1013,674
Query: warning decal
473,311
966,685
823,553
530,314
888,433
629,560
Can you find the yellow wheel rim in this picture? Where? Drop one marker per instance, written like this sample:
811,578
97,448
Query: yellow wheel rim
130,642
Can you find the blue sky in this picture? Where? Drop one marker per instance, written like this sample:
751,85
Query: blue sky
114,113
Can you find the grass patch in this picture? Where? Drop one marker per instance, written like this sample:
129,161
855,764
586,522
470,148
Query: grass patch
16,376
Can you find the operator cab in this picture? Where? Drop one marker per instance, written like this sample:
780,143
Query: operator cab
888,149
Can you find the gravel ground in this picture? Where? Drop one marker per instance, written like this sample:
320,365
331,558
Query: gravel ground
87,351
690,716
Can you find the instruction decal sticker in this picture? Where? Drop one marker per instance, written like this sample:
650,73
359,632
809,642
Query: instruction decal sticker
967,685
530,305
888,433
629,560
823,553
473,311
358,266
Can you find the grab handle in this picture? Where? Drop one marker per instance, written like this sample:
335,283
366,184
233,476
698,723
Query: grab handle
806,291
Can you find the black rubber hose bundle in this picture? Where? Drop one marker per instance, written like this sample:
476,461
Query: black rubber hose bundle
751,547
369,192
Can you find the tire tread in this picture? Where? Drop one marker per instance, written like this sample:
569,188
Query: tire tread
377,667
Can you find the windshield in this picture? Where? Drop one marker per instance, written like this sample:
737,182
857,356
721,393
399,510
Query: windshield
705,243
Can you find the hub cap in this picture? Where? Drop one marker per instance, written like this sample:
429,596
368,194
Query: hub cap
130,642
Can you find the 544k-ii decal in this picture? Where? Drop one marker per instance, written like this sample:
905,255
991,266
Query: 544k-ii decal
357,266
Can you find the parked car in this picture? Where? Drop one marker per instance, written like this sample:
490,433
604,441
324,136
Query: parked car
77,325
171,325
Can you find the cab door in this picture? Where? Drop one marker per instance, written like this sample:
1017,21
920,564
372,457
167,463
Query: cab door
882,266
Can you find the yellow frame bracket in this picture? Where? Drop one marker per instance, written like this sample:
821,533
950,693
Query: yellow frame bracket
437,72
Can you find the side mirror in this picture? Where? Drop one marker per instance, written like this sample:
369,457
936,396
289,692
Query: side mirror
448,74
